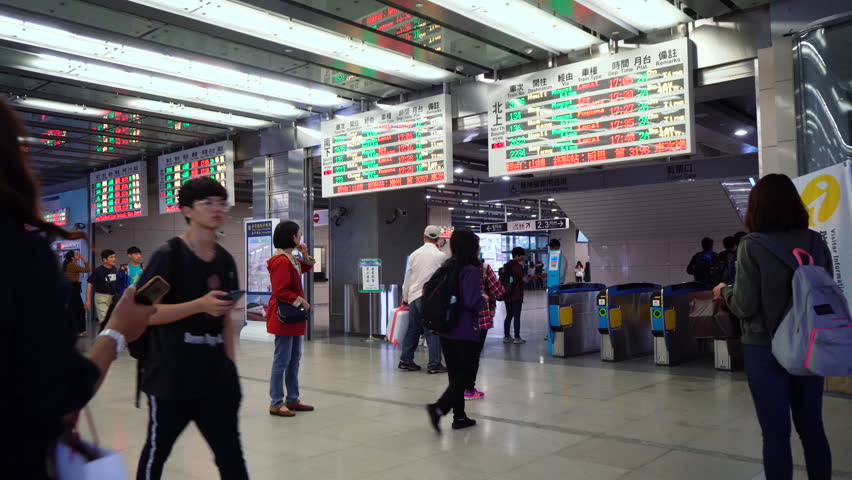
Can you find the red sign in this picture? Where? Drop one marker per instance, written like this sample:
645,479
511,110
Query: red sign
316,218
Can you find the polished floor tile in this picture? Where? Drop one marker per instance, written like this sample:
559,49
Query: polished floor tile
543,417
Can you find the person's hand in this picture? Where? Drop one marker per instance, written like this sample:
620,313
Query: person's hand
486,297
213,305
306,305
302,248
130,318
76,256
88,305
717,291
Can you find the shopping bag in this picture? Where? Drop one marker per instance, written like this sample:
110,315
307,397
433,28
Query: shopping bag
398,326
77,459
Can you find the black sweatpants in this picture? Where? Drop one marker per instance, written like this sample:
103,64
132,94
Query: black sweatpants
513,311
482,335
216,418
461,357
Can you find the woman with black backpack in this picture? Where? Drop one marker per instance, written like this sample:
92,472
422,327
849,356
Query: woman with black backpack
460,342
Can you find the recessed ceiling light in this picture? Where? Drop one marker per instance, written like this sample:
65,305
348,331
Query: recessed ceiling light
527,207
505,178
741,132
441,186
459,170
499,204
467,216
452,208
534,216
551,199
465,200
509,213
428,197
552,209
482,211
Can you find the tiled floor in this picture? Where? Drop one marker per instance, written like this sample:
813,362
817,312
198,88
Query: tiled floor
543,418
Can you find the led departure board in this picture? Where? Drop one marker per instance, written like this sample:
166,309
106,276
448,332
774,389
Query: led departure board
628,106
405,25
119,192
58,217
175,169
400,146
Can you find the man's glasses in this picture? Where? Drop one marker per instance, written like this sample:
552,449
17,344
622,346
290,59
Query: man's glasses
207,203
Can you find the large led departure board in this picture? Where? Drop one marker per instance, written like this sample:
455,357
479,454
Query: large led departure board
401,146
175,169
628,106
119,192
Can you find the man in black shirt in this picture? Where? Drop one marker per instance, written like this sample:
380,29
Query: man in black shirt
189,370
102,281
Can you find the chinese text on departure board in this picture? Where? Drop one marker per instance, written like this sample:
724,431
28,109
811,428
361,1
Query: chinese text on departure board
616,108
57,217
119,192
401,146
175,169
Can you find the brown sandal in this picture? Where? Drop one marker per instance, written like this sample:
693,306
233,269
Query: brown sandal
281,411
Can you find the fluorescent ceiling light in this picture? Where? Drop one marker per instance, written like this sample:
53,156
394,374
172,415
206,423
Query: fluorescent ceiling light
441,186
21,31
552,209
508,213
428,197
751,181
525,21
164,87
551,199
527,207
499,204
467,216
452,208
741,132
52,106
646,15
152,106
535,216
465,200
277,28
482,211
459,170
505,178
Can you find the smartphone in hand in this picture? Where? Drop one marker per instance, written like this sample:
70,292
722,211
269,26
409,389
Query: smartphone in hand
153,291
233,296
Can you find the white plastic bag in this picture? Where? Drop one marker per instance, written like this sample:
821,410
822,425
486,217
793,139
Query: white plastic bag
102,463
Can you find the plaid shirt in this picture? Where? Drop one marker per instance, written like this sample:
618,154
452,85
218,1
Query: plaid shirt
492,287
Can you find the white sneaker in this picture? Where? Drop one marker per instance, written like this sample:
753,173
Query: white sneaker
507,339
519,341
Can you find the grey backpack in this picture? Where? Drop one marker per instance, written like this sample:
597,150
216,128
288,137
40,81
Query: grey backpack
815,336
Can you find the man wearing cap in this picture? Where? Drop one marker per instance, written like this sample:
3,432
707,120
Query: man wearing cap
422,263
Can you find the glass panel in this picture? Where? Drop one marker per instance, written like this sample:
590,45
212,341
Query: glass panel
823,87
427,34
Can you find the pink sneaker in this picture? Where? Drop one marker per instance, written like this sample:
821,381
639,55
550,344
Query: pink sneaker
473,395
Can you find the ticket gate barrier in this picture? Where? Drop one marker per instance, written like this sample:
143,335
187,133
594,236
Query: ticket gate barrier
624,321
684,317
572,318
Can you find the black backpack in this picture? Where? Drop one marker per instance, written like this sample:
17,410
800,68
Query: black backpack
439,308
507,279
139,348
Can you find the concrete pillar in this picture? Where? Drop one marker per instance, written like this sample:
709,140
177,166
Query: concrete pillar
776,123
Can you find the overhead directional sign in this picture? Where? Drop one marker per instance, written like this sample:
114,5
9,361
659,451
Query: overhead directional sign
119,192
401,146
525,226
616,108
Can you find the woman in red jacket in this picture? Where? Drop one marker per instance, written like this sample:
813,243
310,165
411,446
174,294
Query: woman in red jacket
285,272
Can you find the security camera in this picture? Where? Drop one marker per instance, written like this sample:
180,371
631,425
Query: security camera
106,229
338,215
79,226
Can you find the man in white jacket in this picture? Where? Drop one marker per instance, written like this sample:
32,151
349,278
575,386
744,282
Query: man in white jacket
422,263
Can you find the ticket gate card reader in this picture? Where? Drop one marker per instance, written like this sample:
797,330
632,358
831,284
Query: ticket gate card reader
571,313
624,321
671,309
554,268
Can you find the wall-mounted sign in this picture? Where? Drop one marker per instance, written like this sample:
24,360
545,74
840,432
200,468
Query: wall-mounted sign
119,192
320,218
525,226
175,169
58,217
616,108
401,146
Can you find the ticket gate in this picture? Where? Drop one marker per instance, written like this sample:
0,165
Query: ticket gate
684,317
572,319
624,321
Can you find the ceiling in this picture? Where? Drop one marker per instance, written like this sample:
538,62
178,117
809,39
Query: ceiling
101,82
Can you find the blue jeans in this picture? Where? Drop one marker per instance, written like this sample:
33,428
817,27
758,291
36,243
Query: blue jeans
776,394
285,369
412,335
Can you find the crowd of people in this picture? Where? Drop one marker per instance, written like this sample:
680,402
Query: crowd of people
185,344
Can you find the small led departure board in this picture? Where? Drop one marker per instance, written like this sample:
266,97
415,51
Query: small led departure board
393,147
616,108
175,169
119,192
58,217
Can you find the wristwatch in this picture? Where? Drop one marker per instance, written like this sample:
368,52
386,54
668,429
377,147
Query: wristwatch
120,343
